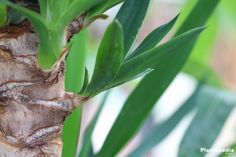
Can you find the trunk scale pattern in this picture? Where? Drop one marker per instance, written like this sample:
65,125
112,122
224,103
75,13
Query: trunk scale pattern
33,103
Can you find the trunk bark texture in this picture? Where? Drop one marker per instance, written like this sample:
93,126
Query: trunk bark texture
33,103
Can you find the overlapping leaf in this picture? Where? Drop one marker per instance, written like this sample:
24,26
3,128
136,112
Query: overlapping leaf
142,99
153,58
214,109
149,91
74,79
131,16
158,132
109,58
153,38
86,148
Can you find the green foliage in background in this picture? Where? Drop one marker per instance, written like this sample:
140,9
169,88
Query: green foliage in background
117,63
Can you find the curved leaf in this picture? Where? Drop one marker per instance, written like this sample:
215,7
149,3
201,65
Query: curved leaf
75,63
139,104
131,16
153,38
153,58
109,58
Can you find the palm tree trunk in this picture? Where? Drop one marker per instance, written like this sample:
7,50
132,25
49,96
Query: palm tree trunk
33,103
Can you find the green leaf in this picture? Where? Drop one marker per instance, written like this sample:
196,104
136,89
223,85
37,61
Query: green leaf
71,132
50,40
214,108
160,131
35,18
87,141
102,7
199,64
142,99
199,15
154,57
75,65
226,154
3,15
131,16
75,62
75,9
153,38
109,58
147,92
85,83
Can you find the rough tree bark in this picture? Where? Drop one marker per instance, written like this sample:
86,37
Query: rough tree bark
33,103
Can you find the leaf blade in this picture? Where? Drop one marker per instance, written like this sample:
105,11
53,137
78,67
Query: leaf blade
134,113
158,132
153,38
214,109
75,63
131,16
109,58
87,143
71,132
152,58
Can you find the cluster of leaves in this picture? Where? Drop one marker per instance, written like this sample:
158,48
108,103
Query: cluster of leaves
53,19
160,64
117,63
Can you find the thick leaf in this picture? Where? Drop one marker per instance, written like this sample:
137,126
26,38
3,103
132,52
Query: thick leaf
154,57
3,15
153,38
35,18
131,16
75,63
102,7
142,99
49,48
87,141
43,7
160,131
70,133
215,107
109,58
76,8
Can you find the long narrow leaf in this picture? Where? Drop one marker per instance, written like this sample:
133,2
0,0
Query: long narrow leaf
153,38
131,16
76,8
109,58
74,78
87,141
199,15
160,131
71,132
153,58
215,107
143,98
102,7
47,50
3,15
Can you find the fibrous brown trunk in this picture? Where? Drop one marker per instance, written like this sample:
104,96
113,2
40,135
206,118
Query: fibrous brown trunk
33,103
